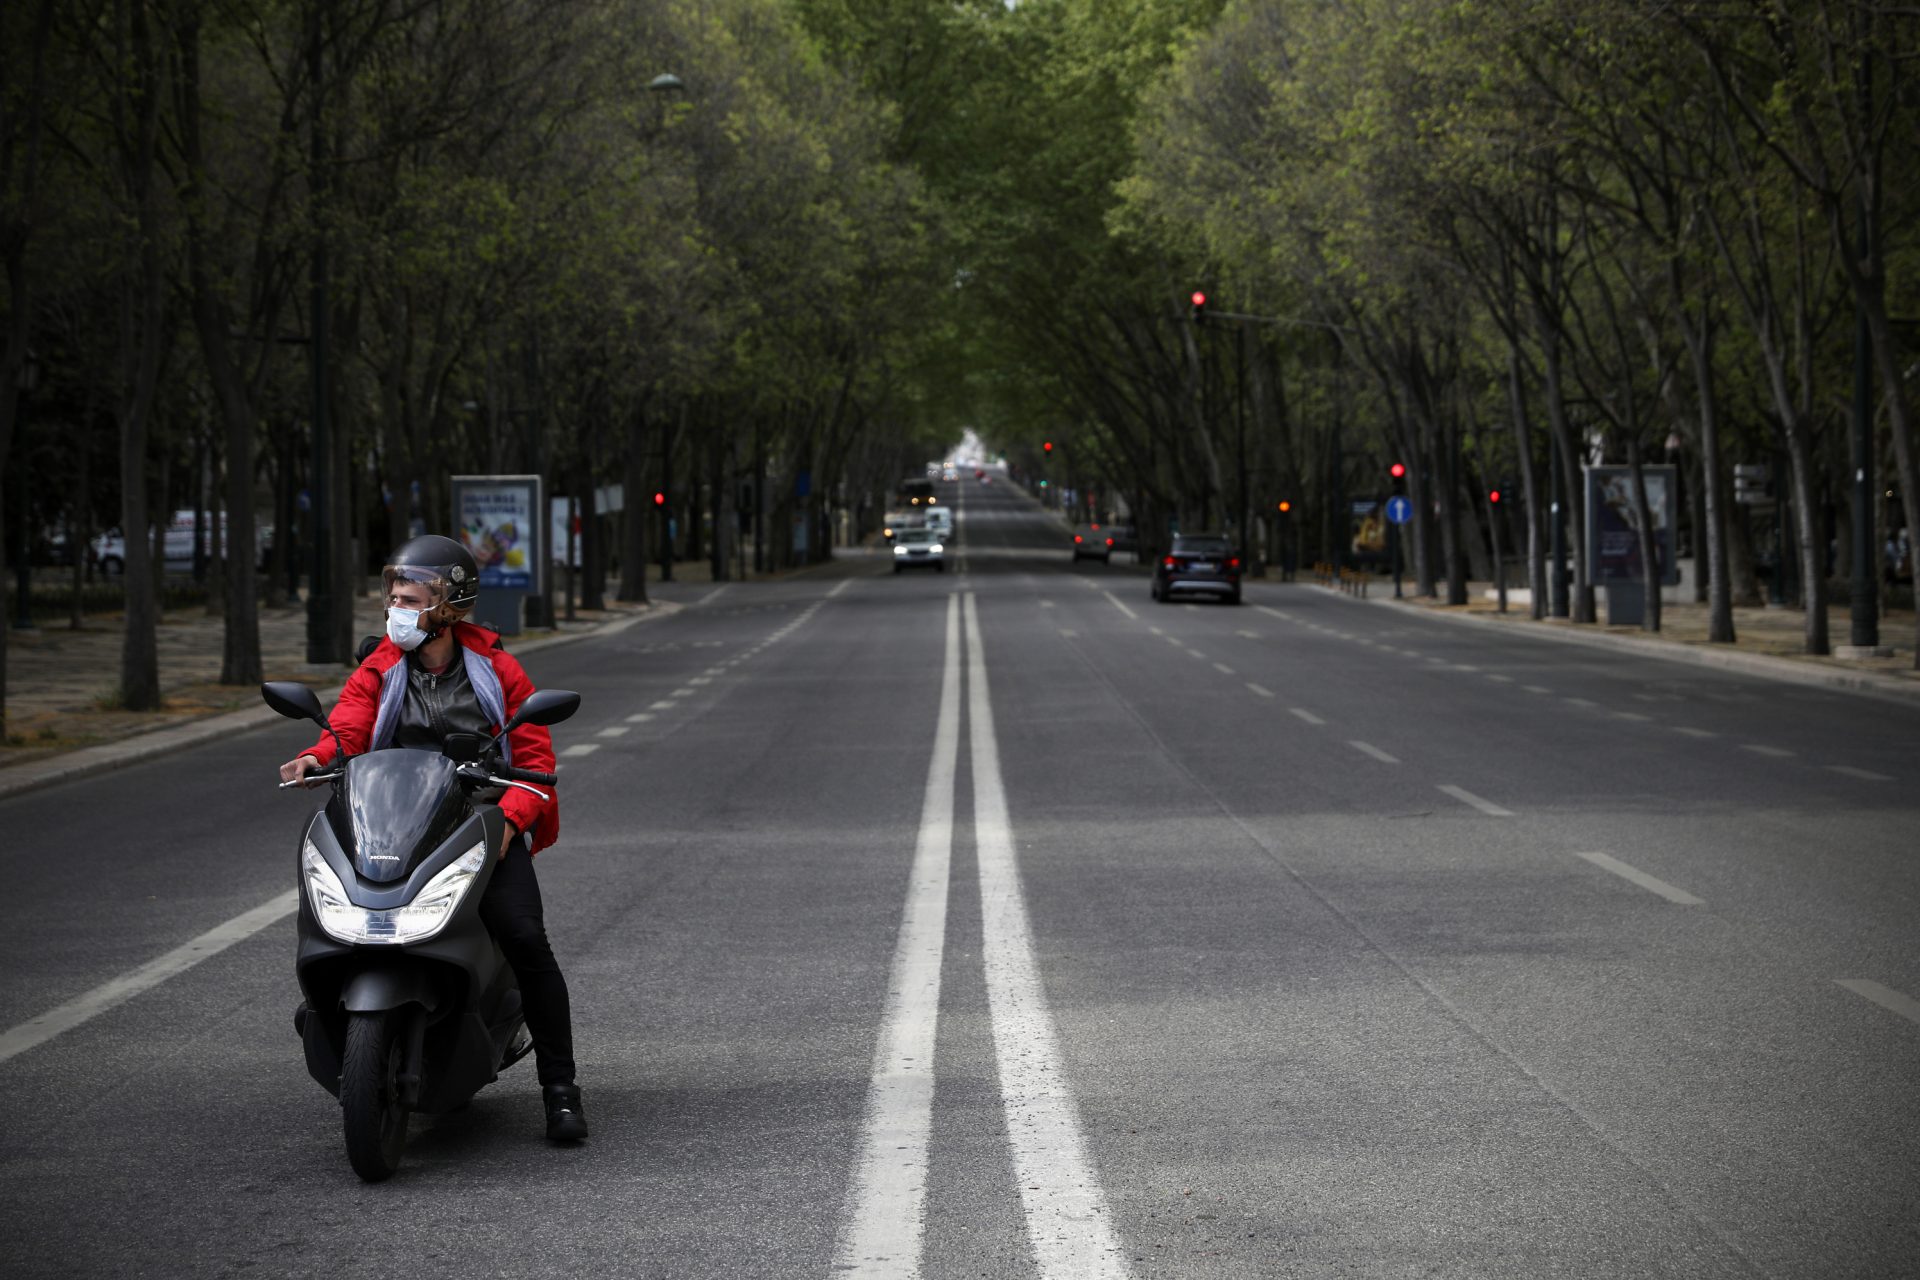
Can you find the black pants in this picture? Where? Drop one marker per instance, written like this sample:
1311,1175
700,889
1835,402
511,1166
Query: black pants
511,910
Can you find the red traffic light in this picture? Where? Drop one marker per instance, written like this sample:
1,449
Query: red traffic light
1047,447
1494,497
1199,298
659,499
1398,470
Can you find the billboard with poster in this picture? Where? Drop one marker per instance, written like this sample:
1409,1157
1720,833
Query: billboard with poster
500,520
1613,524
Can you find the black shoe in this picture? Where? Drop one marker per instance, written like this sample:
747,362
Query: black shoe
566,1118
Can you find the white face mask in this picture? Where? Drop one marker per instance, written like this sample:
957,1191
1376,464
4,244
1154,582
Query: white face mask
403,628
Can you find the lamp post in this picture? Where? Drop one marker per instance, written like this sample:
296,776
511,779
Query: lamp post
29,381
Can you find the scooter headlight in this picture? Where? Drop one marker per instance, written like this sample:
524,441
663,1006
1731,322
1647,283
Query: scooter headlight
416,921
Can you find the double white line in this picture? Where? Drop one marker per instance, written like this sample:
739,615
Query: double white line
1068,1224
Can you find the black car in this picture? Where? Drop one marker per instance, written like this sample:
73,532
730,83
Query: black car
1200,563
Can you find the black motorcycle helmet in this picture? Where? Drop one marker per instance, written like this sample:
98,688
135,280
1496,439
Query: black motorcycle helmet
441,564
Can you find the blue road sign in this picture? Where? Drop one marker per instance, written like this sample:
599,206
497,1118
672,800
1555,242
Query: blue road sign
1399,509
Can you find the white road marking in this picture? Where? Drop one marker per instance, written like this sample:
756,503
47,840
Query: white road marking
1151,630
1224,669
1695,733
665,704
1046,604
1641,878
700,680
1373,751
1461,666
1580,702
1274,613
1759,749
615,731
1632,715
1251,635
881,1232
1262,690
682,692
1866,775
1440,660
117,991
712,595
716,671
1196,653
581,749
1068,1224
1386,648
1497,678
1068,634
1306,715
1121,607
1536,688
1886,997
1176,642
844,584
1487,807
640,717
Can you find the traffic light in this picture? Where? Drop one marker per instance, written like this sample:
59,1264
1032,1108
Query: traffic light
1197,311
1285,506
1399,473
659,499
1493,496
1047,447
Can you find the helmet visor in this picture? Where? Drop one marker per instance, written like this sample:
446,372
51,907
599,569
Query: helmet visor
432,577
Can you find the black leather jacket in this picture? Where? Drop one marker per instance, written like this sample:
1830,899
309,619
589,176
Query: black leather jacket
438,705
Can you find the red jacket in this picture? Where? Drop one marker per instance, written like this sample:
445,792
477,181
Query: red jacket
369,711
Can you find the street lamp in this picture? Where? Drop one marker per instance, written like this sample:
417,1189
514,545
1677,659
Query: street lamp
29,382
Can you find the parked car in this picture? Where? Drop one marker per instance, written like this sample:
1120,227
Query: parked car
109,550
918,548
1091,542
1199,563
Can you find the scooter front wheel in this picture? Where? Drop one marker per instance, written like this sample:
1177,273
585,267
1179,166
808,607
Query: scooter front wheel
376,1119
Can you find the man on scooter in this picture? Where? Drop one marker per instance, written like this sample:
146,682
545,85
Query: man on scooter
437,674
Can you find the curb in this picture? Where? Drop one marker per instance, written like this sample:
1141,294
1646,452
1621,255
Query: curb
88,760
1763,665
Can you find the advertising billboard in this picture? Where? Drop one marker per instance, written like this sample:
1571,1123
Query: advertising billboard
1613,524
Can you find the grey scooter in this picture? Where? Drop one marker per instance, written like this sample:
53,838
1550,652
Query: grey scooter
409,1004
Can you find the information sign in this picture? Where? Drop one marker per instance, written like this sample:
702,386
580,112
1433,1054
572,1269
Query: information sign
1399,509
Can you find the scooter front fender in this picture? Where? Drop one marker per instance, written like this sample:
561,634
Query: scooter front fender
390,987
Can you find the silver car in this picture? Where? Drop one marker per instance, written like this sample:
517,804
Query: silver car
915,547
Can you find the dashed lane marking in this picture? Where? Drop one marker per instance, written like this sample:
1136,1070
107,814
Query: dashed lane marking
1695,733
640,717
1368,748
1224,669
580,749
616,731
1306,715
1886,997
1760,749
1641,878
1865,775
1487,807
1262,690
1121,607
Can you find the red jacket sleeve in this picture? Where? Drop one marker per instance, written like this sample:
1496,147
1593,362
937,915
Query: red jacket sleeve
352,716
532,749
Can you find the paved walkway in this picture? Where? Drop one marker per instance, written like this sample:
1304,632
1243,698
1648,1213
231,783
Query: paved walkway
1768,641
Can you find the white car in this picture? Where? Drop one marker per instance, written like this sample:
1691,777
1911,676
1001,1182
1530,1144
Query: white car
940,520
914,548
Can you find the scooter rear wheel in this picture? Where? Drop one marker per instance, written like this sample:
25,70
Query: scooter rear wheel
375,1119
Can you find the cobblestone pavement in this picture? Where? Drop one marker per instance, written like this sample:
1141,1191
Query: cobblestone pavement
62,683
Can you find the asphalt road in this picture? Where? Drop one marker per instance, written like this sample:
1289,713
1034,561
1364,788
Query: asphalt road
1003,922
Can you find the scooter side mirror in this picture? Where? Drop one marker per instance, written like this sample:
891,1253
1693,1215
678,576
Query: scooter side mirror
544,707
293,700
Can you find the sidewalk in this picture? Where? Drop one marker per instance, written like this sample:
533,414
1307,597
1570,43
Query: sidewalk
62,719
1768,641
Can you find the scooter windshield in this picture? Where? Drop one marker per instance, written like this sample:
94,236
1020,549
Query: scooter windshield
400,805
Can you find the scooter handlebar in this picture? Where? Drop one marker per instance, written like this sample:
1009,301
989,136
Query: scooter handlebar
530,775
